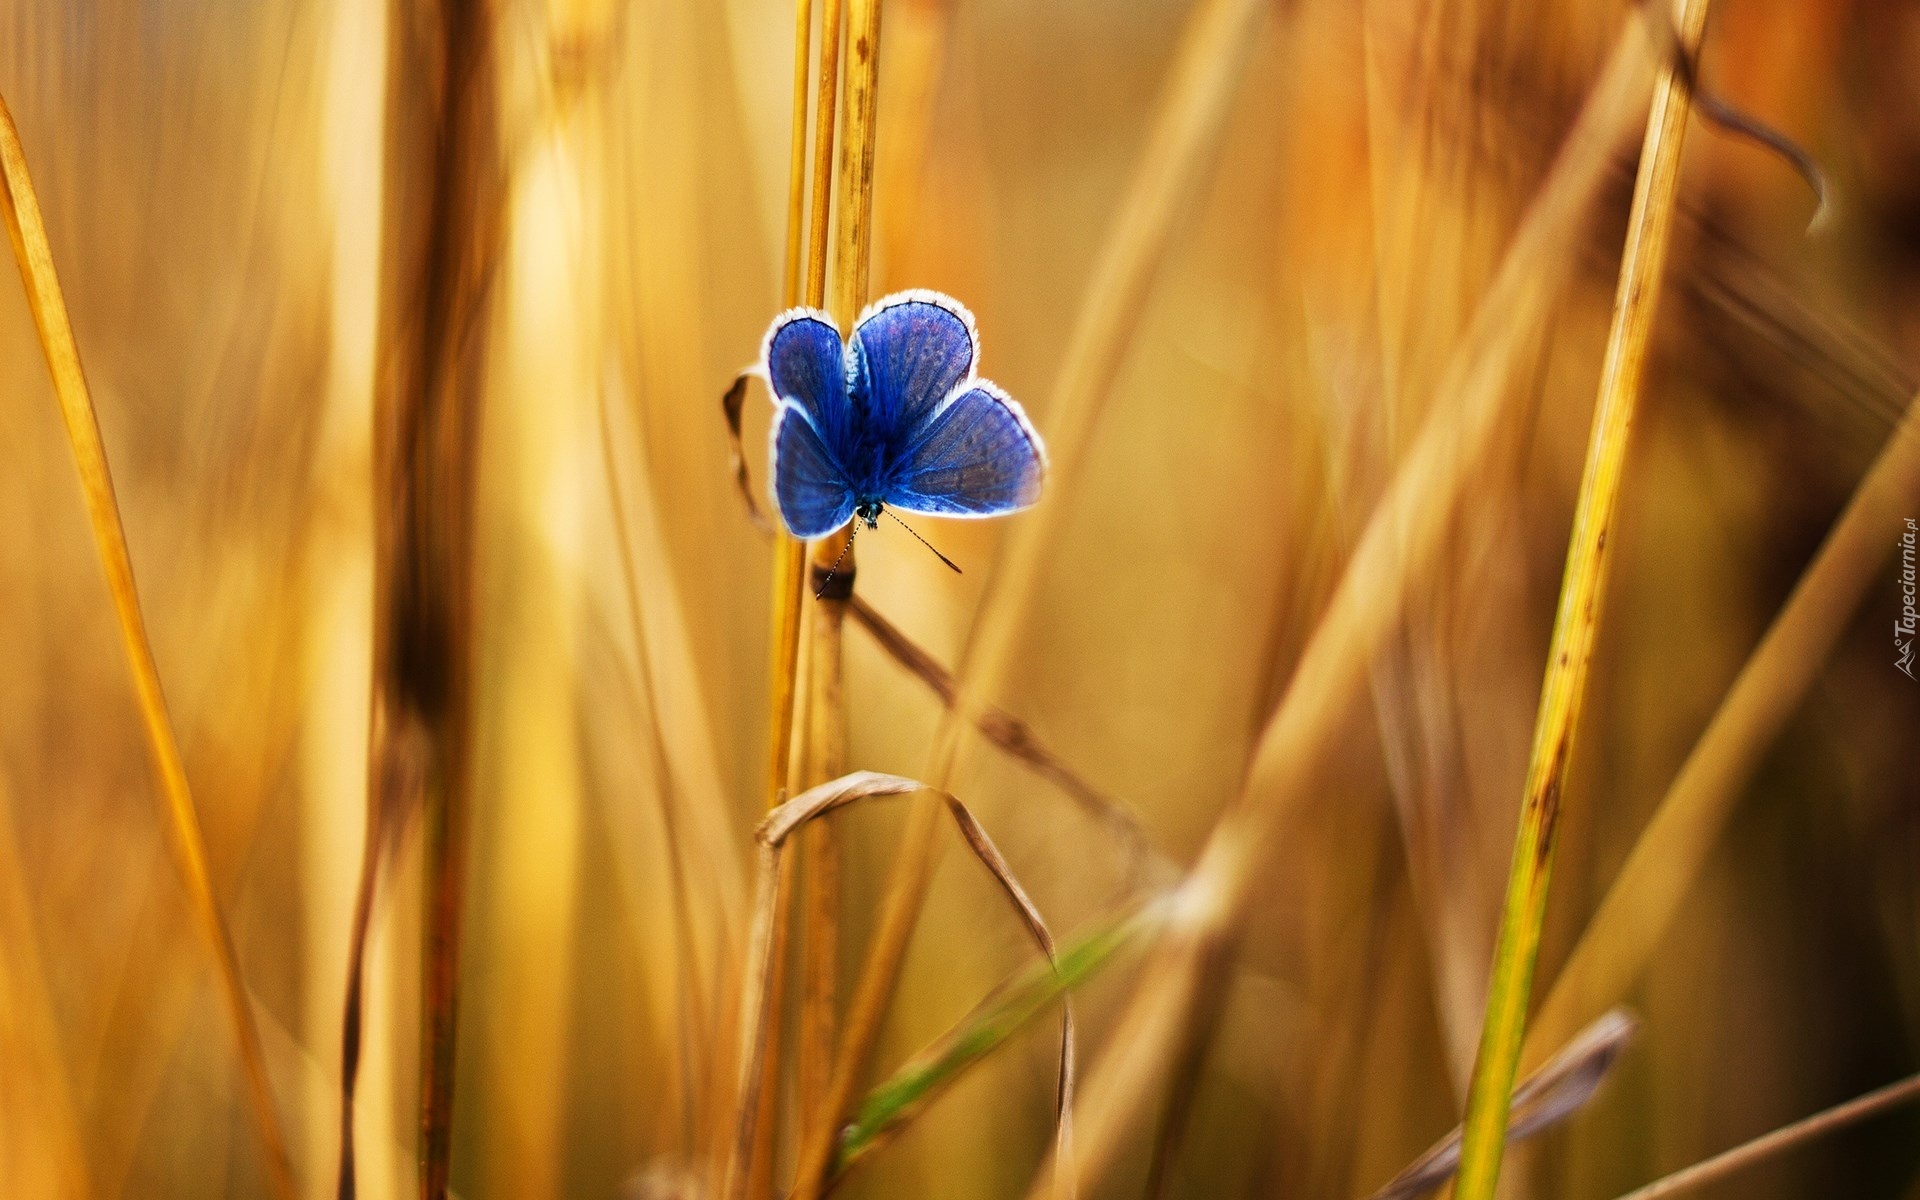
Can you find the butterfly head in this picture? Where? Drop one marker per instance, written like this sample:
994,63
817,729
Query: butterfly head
868,511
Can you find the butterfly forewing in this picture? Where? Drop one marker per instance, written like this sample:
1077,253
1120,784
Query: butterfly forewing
911,351
807,364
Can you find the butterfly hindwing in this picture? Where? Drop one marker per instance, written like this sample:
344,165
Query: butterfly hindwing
809,486
911,350
975,456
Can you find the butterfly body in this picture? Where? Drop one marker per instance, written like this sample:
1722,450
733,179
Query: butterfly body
893,416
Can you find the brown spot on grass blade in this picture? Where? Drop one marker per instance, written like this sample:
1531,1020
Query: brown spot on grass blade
20,207
1552,1094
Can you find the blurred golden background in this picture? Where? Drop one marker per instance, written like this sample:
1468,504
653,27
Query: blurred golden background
1298,224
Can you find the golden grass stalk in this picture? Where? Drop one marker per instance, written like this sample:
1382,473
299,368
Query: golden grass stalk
1188,125
805,264
1646,895
822,751
1550,1095
793,265
826,118
750,1159
1780,1140
1400,545
21,208
441,238
1570,651
789,554
823,755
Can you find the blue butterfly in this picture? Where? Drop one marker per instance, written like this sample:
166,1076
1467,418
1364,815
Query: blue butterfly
895,417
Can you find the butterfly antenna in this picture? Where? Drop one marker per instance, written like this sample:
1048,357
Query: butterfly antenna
924,542
853,529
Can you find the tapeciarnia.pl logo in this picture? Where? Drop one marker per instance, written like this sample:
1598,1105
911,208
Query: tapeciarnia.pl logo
1904,624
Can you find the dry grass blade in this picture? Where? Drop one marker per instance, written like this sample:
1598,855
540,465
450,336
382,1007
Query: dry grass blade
1785,1138
1015,737
1552,1094
989,856
1646,895
731,405
759,1016
692,998
817,802
822,1094
441,238
790,554
1570,652
49,309
793,263
1400,544
819,216
1192,112
750,1163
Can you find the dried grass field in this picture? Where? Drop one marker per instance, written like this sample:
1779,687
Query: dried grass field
1445,683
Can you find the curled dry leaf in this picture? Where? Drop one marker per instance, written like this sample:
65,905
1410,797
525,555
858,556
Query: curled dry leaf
732,404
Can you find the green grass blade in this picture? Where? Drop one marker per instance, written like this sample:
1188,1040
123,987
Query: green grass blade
889,1106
